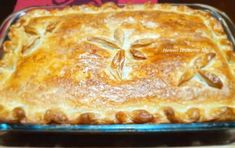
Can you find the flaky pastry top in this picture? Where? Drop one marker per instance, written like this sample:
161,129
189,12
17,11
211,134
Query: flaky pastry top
152,63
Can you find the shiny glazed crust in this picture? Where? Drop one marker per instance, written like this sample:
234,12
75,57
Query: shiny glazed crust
152,63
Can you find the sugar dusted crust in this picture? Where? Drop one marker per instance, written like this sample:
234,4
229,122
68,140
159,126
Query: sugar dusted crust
152,63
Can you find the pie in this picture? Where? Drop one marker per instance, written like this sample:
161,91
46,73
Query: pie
151,63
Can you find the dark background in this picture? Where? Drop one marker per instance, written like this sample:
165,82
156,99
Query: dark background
143,139
215,138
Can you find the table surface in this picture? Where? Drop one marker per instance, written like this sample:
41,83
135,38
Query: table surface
6,7
145,139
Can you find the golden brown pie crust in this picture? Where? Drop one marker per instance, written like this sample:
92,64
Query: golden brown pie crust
152,63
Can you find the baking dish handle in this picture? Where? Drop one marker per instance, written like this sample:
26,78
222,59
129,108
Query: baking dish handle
230,24
4,26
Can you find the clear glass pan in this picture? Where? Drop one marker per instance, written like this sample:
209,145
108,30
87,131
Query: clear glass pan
229,28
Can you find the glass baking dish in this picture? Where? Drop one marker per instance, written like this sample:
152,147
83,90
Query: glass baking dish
229,28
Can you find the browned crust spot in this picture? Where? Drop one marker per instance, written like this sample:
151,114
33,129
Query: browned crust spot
88,118
18,113
222,114
122,117
1,108
141,116
193,114
170,115
55,116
